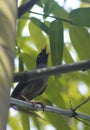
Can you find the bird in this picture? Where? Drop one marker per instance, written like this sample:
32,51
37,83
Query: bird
30,89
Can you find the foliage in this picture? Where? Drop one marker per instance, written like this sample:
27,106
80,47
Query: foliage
62,88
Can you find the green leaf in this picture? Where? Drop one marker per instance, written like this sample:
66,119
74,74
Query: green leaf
39,3
29,60
49,7
21,24
66,55
38,37
25,121
57,121
29,56
55,9
14,122
80,16
81,41
51,92
87,1
56,42
40,24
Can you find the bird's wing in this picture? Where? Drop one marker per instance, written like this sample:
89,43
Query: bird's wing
29,89
17,90
34,88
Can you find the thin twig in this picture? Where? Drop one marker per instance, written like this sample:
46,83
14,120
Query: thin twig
75,114
48,71
82,121
82,103
61,19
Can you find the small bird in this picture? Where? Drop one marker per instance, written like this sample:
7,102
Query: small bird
32,88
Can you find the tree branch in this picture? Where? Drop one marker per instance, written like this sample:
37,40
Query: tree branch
38,107
48,71
26,6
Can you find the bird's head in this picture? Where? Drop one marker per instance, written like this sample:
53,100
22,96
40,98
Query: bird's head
42,57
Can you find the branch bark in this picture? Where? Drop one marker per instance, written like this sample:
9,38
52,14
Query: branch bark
38,107
26,6
60,69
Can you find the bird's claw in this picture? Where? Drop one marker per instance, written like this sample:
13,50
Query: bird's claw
40,103
33,103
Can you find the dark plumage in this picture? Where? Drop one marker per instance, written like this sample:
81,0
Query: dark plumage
31,89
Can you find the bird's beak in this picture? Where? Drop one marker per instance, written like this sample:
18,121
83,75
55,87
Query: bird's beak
47,48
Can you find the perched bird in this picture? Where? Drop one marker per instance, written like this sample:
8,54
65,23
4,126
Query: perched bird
32,88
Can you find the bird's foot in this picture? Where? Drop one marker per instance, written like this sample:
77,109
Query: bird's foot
40,103
33,103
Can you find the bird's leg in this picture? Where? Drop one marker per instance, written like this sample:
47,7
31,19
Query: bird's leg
33,103
26,99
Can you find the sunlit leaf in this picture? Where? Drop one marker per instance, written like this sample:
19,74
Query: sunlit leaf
39,38
57,121
66,55
14,123
29,61
40,24
81,41
25,121
21,23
